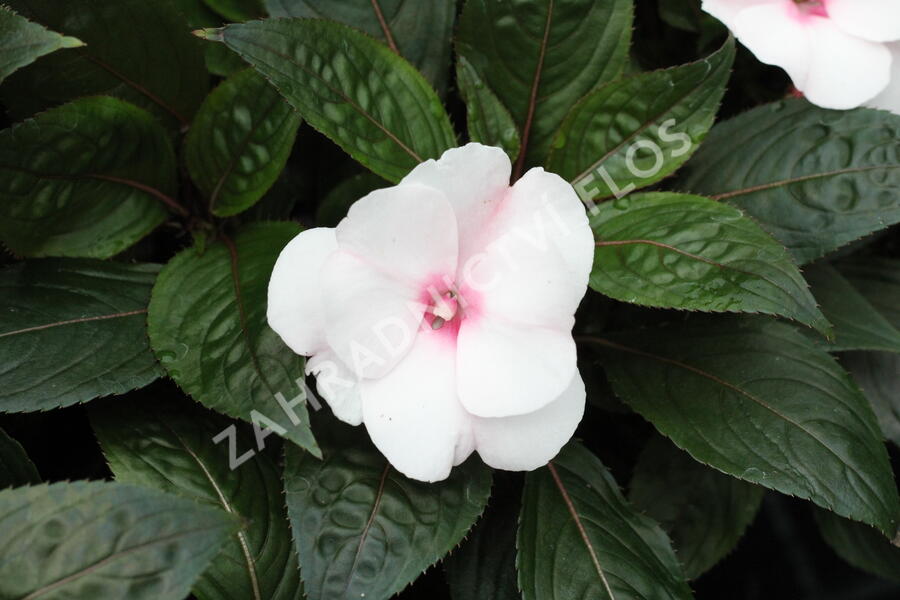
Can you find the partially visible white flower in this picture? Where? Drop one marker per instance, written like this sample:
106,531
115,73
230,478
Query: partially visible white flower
835,51
439,313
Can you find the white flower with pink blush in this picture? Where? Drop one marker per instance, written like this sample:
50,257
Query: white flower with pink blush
840,53
439,312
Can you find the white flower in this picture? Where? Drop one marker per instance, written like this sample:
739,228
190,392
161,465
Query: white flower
439,313
835,51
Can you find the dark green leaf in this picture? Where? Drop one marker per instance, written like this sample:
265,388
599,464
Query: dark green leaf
240,141
363,529
756,399
237,10
73,330
89,178
356,91
15,467
679,251
22,42
484,566
579,538
488,121
337,202
207,325
135,50
816,179
104,540
860,545
541,56
878,375
857,324
878,279
420,31
636,131
704,511
173,448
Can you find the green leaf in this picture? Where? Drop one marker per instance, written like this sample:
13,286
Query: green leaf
15,467
679,251
135,50
173,448
365,529
878,376
73,330
337,202
857,324
756,399
419,31
860,545
541,56
240,142
104,540
89,178
488,121
878,279
237,10
207,325
638,130
579,538
826,179
22,42
371,102
704,511
484,566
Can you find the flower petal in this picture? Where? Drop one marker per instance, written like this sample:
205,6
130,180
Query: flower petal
873,20
509,369
294,299
889,99
832,68
407,231
474,178
371,318
337,385
526,442
845,71
413,414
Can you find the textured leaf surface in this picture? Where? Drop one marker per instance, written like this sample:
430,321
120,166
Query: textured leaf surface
86,179
488,121
857,324
821,180
860,545
757,400
240,141
72,330
681,251
171,448
704,511
207,325
15,467
104,540
362,528
638,130
580,539
371,102
156,65
22,42
484,566
541,56
420,30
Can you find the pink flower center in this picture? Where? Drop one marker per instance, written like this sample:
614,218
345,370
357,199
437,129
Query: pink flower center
812,7
445,308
